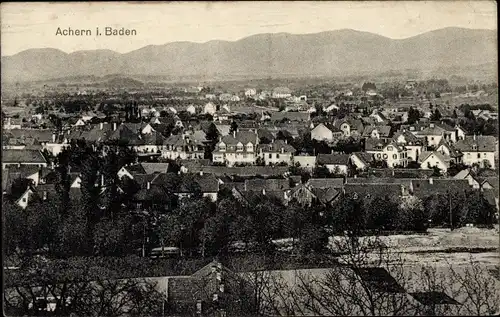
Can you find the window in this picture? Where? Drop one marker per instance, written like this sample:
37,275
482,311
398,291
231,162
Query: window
277,156
478,155
389,148
432,138
394,156
270,155
24,199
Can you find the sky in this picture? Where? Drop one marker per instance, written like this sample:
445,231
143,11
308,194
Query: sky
34,25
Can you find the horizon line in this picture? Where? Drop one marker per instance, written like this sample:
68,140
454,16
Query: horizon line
245,37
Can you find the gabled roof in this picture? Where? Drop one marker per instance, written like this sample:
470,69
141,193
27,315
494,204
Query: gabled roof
483,143
151,168
40,135
194,164
325,182
374,190
451,148
383,130
245,171
23,156
325,195
364,157
425,155
267,184
276,147
208,184
423,188
244,137
335,159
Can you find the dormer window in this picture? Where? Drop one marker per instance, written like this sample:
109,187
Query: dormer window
389,148
239,147
222,147
249,147
474,147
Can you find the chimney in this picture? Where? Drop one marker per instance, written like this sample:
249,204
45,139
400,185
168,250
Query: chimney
263,191
52,165
148,185
234,134
102,180
431,181
53,138
101,125
474,137
44,195
114,126
201,173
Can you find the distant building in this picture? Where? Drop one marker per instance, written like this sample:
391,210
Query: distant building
250,92
281,92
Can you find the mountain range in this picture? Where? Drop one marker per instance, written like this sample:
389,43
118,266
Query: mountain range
332,53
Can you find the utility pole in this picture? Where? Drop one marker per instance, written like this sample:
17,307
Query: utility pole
451,214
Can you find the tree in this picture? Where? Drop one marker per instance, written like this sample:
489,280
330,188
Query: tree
81,286
411,215
436,115
212,137
321,171
413,116
233,128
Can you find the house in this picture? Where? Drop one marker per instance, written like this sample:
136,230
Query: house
414,146
330,108
182,146
276,152
349,126
208,185
434,132
281,92
429,160
209,108
238,148
323,133
423,188
250,92
379,117
31,172
243,171
478,150
23,157
12,123
336,163
306,195
461,132
25,197
445,148
391,152
191,109
470,176
361,160
377,132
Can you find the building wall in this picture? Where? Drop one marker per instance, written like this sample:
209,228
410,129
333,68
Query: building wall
306,161
275,158
413,151
471,158
357,162
321,133
433,140
341,168
432,160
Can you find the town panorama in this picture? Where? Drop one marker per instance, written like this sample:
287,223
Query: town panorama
253,188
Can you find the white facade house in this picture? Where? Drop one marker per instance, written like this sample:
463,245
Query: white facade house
250,92
478,150
191,109
394,154
429,160
323,133
414,146
237,148
277,152
209,108
335,162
